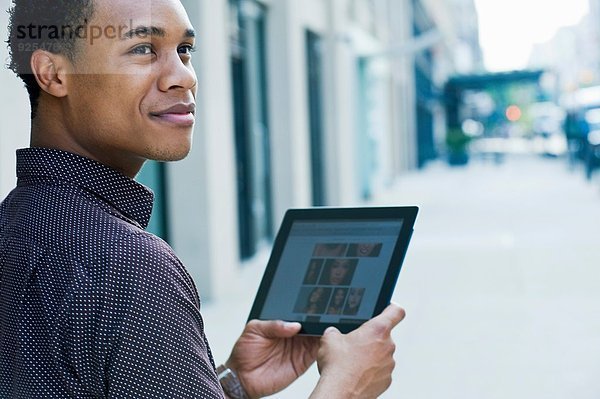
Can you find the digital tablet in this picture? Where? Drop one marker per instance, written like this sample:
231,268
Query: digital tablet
334,266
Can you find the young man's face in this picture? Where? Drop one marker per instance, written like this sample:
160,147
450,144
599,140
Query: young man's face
132,95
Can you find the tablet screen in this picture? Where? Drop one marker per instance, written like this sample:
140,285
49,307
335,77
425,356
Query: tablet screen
332,271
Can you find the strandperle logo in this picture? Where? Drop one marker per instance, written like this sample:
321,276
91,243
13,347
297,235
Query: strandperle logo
85,31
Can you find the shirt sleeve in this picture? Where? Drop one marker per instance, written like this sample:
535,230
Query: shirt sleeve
143,330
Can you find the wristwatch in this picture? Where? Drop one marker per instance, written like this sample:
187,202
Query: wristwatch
231,383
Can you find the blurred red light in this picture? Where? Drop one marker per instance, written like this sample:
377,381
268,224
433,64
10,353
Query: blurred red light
513,113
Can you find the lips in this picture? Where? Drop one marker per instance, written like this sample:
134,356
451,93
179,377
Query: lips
179,115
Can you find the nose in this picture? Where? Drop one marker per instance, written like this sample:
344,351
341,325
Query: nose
176,74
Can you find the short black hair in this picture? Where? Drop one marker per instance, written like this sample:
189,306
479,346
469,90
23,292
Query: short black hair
43,24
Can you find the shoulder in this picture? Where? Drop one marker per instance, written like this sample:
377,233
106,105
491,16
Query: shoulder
138,251
58,213
143,264
143,251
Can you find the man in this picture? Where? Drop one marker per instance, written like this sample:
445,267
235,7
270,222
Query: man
92,306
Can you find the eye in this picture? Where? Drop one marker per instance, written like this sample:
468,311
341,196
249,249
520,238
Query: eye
186,49
143,49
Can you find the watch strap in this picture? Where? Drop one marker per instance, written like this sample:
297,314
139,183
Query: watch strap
231,383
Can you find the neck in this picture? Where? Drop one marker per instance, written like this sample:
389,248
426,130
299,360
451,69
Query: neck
53,133
50,130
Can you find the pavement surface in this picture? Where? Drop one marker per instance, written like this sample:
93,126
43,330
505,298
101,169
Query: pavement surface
501,285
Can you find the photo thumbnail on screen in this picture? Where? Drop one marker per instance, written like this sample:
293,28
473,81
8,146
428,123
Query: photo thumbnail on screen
336,304
312,300
355,297
330,249
365,249
338,271
313,271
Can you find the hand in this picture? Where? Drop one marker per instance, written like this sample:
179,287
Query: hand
359,364
269,356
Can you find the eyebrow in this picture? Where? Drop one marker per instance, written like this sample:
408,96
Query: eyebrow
145,31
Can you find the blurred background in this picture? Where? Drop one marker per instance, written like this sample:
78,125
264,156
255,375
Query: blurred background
486,114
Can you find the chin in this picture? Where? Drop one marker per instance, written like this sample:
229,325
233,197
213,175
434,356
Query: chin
176,157
170,154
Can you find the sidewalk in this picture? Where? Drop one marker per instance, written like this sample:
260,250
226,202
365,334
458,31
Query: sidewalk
501,286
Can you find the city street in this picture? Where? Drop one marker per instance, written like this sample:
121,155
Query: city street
501,285
292,103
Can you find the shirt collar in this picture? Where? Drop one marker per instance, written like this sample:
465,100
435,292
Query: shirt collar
129,197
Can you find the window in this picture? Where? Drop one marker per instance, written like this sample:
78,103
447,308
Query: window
153,175
314,59
252,142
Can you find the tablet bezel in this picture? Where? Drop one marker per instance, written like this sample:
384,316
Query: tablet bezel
408,216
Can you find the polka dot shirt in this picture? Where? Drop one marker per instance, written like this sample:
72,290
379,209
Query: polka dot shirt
91,305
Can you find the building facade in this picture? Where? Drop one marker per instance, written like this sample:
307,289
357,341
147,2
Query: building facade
300,103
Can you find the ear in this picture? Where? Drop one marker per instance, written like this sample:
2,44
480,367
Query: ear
50,71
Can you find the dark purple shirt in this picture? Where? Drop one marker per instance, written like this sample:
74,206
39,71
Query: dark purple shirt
91,305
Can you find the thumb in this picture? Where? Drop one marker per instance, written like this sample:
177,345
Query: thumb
391,316
273,328
394,314
331,332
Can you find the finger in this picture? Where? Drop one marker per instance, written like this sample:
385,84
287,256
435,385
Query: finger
331,331
273,328
331,334
393,314
390,317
